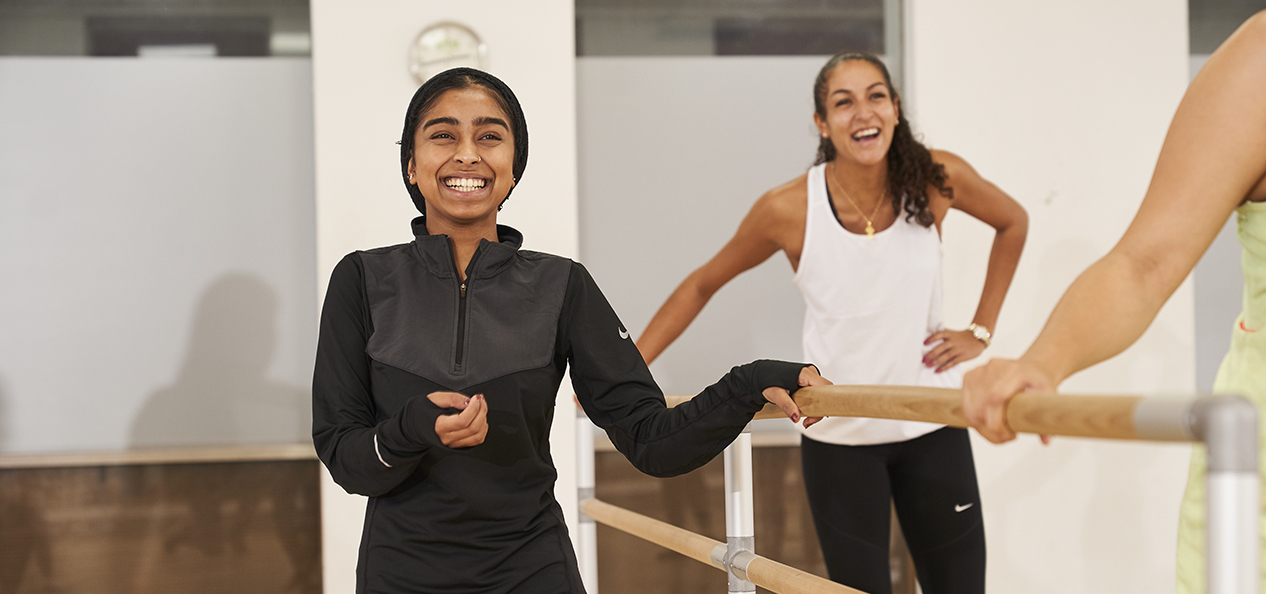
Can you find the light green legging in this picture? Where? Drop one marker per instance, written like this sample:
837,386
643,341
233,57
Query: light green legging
1243,372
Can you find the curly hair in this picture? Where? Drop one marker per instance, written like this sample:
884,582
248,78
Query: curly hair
456,79
910,165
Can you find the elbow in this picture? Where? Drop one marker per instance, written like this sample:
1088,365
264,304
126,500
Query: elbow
367,492
1018,226
697,287
1012,236
661,471
354,478
664,465
1021,230
648,469
365,486
1158,273
659,462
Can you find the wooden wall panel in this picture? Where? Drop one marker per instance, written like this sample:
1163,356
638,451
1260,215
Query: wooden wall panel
240,527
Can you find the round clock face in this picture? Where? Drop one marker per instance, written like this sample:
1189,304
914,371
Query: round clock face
442,46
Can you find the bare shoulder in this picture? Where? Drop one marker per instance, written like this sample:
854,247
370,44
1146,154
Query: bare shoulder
778,218
954,165
1255,27
784,203
785,200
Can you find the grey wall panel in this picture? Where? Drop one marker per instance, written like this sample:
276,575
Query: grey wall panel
156,252
673,153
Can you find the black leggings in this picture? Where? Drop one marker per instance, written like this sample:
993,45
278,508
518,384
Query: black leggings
931,480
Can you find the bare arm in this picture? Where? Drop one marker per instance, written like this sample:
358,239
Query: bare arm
1213,157
755,241
979,198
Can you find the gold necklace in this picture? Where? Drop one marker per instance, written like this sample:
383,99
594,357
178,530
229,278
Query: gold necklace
870,224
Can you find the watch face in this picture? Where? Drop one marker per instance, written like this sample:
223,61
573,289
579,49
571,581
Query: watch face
442,46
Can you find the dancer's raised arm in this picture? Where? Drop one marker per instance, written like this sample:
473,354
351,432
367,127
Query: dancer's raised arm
1213,160
763,232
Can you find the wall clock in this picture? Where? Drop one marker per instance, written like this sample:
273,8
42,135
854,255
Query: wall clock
445,45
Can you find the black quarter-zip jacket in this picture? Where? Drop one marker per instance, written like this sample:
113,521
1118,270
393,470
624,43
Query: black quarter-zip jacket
399,324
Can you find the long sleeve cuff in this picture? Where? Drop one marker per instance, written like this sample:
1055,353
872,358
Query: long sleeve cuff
409,434
667,442
768,373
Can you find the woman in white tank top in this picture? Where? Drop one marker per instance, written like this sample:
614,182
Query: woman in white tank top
861,229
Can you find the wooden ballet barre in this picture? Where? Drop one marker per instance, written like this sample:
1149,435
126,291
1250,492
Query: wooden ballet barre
1079,415
768,574
1226,424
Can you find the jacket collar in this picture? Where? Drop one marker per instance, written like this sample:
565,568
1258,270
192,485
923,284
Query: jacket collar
436,251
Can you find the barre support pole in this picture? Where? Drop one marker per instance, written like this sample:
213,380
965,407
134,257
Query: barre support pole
740,513
587,530
1228,426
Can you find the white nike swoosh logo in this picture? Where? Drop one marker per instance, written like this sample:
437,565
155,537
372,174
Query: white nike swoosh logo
624,333
959,508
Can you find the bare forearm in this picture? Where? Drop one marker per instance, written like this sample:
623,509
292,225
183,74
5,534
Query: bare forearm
1105,310
1003,260
1212,156
673,317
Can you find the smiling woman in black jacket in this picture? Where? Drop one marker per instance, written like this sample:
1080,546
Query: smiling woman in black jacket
439,361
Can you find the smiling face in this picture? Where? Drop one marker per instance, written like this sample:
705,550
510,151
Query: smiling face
463,158
860,113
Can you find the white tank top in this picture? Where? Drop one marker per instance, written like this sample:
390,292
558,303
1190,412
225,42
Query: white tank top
869,305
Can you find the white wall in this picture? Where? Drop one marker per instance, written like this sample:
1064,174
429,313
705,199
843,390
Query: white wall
362,88
1064,105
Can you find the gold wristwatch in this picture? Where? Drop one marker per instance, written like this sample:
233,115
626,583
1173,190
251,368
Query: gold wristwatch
980,333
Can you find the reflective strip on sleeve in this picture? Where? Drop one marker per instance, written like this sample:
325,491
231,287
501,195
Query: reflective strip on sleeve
379,452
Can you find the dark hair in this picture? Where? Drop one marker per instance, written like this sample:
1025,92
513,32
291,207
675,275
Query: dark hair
457,79
910,164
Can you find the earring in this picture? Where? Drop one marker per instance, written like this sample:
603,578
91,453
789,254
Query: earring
410,177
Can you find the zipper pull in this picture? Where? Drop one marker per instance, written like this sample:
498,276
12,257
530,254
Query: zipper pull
463,290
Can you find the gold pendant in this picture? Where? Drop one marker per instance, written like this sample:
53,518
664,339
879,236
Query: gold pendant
870,231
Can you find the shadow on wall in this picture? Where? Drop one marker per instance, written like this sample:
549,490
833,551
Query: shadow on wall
222,395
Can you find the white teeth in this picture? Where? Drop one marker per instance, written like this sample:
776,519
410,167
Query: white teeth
464,184
867,132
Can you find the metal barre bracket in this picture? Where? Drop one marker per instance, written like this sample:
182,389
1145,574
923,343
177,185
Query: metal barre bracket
735,564
1228,426
739,553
